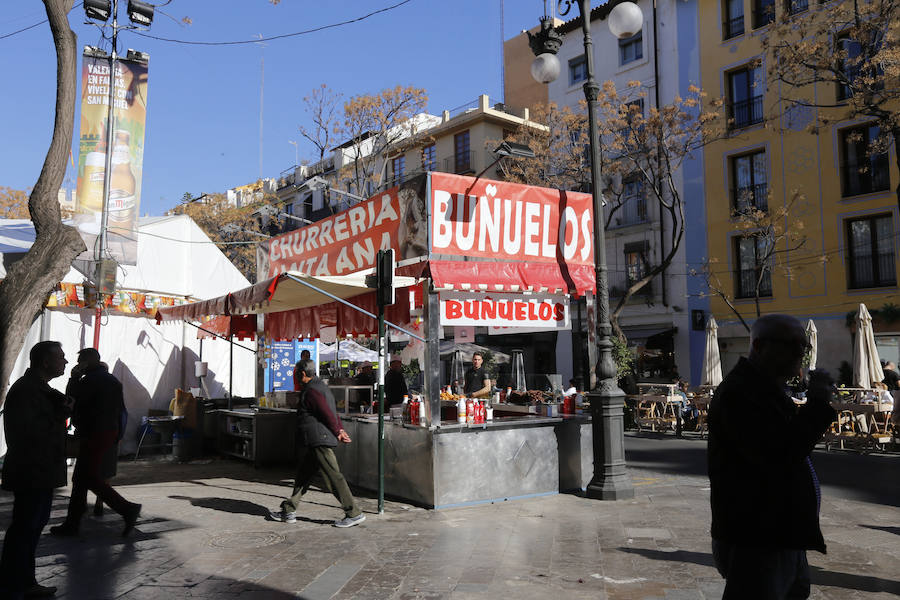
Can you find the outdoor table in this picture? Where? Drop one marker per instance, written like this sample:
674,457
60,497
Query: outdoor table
658,410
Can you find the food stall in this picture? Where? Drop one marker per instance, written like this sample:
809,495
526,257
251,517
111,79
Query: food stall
472,253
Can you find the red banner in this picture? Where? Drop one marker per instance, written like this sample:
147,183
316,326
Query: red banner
348,241
509,221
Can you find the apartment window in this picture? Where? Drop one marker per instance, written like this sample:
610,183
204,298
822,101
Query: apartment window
631,49
633,209
398,168
577,70
461,154
849,66
429,158
307,207
745,89
863,170
750,268
734,19
796,6
763,13
870,247
750,182
636,264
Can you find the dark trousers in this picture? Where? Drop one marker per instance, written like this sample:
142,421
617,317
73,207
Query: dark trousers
31,511
88,475
761,573
320,458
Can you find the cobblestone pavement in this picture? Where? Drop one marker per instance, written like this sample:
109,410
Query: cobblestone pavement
203,534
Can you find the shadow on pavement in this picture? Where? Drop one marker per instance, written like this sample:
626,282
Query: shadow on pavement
862,583
894,530
819,576
230,505
679,556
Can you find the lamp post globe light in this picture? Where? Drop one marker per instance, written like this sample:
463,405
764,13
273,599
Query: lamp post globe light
610,480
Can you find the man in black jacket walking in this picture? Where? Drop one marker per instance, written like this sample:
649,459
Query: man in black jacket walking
318,431
765,496
35,426
97,417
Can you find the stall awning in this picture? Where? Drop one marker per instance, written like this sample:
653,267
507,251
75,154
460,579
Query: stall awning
242,327
512,276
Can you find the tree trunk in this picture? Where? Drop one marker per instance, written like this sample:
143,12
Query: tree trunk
29,281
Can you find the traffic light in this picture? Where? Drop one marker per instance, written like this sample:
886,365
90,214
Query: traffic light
383,278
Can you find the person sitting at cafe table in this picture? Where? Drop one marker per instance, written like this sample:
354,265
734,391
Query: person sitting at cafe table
477,383
891,377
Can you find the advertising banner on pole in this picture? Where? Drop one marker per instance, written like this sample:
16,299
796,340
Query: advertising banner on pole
127,154
509,221
279,374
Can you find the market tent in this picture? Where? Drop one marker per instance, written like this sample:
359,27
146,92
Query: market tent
176,260
866,364
712,363
296,306
812,338
349,350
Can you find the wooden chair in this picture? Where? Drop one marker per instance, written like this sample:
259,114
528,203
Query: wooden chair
702,405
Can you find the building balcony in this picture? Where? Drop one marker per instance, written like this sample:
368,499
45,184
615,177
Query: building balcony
745,112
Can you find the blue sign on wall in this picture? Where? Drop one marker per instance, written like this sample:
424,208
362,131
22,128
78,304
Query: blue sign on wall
280,364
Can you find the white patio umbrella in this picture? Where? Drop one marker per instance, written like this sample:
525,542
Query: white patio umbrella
866,364
712,363
812,338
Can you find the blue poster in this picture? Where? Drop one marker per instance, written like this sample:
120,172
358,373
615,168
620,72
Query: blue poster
282,358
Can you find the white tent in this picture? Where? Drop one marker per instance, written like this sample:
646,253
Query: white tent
350,350
175,258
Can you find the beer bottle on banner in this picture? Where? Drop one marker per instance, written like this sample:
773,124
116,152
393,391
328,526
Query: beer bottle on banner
90,193
122,186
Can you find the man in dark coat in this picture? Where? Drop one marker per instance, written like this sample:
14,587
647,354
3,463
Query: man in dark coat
395,384
319,430
35,426
765,496
97,417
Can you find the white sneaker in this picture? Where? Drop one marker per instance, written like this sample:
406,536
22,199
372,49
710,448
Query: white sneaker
284,517
350,521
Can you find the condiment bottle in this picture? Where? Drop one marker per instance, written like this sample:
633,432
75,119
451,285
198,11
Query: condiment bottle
461,411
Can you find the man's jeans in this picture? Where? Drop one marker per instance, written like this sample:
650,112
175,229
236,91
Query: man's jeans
321,458
761,573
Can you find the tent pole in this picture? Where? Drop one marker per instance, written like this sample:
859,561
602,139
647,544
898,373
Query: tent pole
97,316
230,371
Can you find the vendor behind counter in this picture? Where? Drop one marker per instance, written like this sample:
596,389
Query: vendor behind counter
477,382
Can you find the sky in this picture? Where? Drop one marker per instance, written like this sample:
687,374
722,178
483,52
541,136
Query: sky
203,121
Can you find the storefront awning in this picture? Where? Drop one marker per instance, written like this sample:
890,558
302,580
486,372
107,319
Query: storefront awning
242,327
512,276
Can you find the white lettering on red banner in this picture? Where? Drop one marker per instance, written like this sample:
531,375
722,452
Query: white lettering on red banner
509,221
504,310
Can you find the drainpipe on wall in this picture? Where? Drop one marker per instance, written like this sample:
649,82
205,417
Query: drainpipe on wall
662,228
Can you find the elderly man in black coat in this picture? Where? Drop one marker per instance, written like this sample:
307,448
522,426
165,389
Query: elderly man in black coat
765,496
35,426
97,417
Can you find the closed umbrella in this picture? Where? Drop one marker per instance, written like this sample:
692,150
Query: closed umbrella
866,364
712,364
457,374
812,338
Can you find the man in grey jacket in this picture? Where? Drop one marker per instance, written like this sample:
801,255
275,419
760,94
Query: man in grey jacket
319,430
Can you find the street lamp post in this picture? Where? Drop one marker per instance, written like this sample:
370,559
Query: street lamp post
610,480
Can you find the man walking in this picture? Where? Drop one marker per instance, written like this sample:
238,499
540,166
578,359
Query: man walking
765,496
97,417
318,431
35,426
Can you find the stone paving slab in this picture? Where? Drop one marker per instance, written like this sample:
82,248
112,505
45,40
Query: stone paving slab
203,534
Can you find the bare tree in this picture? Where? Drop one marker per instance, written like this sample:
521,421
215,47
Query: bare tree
771,242
322,106
373,124
29,281
840,62
641,153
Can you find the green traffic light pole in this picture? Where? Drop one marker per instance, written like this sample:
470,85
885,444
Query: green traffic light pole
381,349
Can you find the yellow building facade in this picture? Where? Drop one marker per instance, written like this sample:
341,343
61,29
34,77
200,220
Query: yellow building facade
849,218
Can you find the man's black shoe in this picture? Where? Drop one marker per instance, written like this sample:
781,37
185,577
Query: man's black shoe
131,518
64,530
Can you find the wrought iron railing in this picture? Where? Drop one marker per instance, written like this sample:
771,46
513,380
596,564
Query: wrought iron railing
745,112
